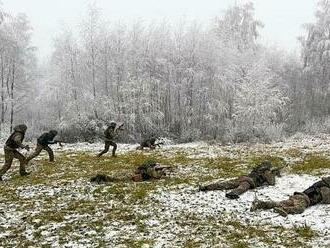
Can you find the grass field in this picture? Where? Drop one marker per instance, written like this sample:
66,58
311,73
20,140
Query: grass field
57,206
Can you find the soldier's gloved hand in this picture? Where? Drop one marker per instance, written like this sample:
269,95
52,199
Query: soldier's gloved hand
27,148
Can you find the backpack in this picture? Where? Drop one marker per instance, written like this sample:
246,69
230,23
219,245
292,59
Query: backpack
258,171
147,170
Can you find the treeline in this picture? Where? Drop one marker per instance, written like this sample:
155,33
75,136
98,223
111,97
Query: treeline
17,69
186,81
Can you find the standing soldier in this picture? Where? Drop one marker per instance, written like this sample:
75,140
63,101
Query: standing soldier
43,143
12,144
109,135
261,175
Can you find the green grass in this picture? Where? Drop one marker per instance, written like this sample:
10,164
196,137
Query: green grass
312,163
305,231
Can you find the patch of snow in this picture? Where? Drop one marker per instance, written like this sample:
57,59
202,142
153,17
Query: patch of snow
185,200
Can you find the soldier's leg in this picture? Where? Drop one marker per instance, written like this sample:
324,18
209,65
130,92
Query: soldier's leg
9,156
36,152
230,184
242,188
106,149
22,163
50,153
294,205
114,148
284,211
264,205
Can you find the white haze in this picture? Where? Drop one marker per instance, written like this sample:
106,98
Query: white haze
282,18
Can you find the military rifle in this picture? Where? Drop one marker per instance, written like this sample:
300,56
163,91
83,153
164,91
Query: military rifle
60,142
159,167
160,144
120,127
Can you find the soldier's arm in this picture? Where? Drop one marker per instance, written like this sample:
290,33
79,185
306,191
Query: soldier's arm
51,142
49,139
270,178
17,140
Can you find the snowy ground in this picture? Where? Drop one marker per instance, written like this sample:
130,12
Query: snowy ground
57,206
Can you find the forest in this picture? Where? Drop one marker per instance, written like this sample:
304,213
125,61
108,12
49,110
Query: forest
186,81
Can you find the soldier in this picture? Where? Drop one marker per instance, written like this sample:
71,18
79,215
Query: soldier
147,171
43,143
150,143
109,135
319,192
261,175
12,144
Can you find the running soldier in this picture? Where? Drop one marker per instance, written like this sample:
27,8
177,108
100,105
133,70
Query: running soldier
43,143
318,193
109,136
149,143
263,174
12,144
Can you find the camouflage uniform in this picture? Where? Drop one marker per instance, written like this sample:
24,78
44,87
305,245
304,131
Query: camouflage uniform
319,192
15,141
43,143
145,172
150,143
296,204
260,176
110,134
150,170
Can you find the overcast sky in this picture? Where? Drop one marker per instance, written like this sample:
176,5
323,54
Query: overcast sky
282,18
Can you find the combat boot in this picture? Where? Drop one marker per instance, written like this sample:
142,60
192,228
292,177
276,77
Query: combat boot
202,188
24,173
232,195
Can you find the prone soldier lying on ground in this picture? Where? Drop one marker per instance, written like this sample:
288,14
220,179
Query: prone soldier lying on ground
12,144
147,171
149,143
262,174
109,136
43,143
318,193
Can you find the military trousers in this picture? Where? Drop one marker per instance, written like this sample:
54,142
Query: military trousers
38,150
296,204
107,145
10,154
238,185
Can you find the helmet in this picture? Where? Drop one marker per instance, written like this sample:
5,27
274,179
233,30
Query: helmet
53,132
262,167
113,124
266,164
20,128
